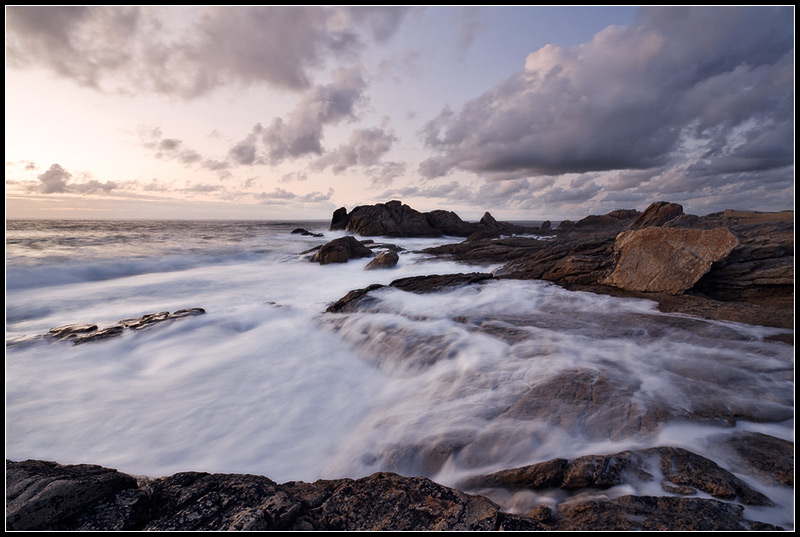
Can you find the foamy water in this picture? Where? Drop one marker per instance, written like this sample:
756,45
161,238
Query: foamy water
441,385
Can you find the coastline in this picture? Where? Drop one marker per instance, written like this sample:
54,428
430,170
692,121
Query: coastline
191,501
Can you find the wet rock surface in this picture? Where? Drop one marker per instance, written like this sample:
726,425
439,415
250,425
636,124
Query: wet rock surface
48,496
341,250
85,333
671,466
383,260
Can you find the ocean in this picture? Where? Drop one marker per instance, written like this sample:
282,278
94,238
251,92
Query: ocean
267,383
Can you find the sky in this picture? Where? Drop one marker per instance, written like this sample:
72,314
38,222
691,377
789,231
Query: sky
270,112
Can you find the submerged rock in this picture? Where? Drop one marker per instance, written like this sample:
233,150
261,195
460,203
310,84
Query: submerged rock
305,232
85,333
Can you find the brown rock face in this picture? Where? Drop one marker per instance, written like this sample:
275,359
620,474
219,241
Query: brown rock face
391,219
658,214
340,251
667,260
383,260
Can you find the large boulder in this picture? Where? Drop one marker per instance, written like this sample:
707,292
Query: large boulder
340,251
667,260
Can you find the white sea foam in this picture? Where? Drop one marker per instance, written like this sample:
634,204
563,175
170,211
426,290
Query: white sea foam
267,383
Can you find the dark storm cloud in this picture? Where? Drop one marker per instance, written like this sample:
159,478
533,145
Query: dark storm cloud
714,85
212,46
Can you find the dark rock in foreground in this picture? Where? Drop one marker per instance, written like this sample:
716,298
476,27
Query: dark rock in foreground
48,496
682,471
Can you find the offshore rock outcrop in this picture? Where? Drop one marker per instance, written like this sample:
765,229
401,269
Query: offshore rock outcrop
396,219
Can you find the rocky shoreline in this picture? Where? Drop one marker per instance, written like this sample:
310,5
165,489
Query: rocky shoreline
731,266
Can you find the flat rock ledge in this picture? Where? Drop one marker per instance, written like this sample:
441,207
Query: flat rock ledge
47,496
85,333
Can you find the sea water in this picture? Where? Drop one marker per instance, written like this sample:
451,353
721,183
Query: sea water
267,383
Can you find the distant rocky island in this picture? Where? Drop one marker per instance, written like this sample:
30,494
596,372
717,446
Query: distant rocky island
732,265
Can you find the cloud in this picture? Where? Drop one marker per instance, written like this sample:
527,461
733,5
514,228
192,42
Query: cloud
292,177
301,134
189,52
54,180
153,139
470,25
57,180
281,196
702,92
366,147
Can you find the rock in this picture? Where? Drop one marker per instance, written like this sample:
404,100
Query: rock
449,223
85,333
391,219
767,457
649,513
583,258
387,501
437,282
339,219
71,331
760,270
613,221
545,225
48,496
44,495
481,235
340,251
658,214
352,301
383,260
489,251
359,298
667,260
691,472
489,221
395,219
305,232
